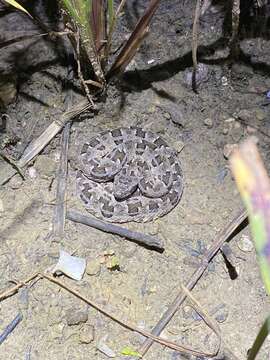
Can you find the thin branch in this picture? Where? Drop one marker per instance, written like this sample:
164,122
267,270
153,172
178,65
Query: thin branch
195,43
11,326
127,325
140,238
60,208
220,239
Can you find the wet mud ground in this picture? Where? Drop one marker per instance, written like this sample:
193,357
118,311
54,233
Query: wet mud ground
230,106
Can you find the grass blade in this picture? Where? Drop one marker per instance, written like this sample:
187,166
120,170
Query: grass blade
98,24
254,186
71,9
112,22
17,6
111,13
262,335
134,41
81,12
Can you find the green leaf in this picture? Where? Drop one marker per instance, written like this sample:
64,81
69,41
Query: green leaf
113,263
111,13
130,352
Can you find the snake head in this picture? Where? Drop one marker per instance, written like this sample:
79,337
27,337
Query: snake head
124,186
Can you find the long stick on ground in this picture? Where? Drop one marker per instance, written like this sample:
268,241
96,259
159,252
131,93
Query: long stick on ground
11,326
60,208
102,310
221,238
140,238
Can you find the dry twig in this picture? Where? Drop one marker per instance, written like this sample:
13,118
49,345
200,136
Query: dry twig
60,208
209,321
127,325
221,238
195,43
139,238
11,326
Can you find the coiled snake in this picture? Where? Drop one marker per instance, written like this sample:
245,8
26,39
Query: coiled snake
129,174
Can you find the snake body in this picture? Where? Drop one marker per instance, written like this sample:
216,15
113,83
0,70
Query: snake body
129,174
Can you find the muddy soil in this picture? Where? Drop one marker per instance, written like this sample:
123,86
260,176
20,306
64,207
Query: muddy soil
202,127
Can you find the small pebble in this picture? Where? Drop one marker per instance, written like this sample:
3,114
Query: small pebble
246,115
16,182
93,267
222,316
32,172
87,334
260,114
228,149
225,131
202,75
245,244
75,316
224,81
208,122
229,120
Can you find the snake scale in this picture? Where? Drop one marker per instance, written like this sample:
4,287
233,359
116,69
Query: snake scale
128,174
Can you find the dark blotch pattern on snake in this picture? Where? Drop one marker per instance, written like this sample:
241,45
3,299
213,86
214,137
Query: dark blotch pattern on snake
129,174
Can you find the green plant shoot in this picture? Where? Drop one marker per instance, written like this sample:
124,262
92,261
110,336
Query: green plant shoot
254,186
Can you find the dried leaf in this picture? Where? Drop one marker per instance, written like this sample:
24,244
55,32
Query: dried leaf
134,41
